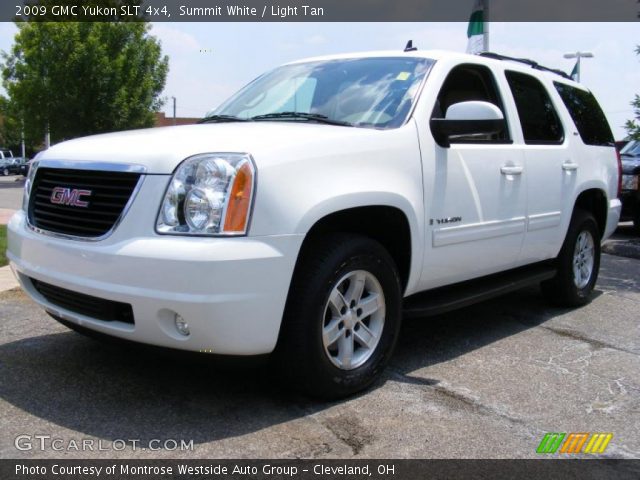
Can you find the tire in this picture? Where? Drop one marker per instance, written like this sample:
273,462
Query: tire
578,263
329,347
5,172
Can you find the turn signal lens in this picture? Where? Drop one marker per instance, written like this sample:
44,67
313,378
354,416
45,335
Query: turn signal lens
239,203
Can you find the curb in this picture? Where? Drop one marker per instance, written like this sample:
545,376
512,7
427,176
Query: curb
7,279
622,248
5,215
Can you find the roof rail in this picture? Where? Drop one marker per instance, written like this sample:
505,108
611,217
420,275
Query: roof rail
526,61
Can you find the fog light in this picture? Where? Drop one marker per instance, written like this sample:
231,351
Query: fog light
181,325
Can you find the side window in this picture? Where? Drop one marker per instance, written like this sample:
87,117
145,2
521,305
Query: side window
465,83
586,114
538,117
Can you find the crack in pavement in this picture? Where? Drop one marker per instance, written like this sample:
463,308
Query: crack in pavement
451,393
597,344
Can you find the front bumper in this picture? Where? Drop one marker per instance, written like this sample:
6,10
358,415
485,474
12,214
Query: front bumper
231,291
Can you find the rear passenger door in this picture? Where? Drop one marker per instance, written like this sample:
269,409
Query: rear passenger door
550,164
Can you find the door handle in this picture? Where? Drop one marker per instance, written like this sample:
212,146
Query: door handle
569,166
511,170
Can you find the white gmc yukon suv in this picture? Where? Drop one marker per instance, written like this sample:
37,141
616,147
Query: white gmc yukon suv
328,198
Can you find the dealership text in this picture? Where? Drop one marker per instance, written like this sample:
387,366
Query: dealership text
183,469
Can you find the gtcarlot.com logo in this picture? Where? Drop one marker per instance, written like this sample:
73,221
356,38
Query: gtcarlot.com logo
574,443
47,442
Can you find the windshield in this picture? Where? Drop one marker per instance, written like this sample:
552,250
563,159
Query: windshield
631,148
363,92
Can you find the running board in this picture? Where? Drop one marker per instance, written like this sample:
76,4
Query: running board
452,297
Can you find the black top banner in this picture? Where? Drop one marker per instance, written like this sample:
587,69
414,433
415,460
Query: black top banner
319,10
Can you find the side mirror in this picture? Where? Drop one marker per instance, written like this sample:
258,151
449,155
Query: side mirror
467,118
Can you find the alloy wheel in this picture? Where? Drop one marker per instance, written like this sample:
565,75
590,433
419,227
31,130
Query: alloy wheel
353,319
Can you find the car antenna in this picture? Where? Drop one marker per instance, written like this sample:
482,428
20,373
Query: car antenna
410,47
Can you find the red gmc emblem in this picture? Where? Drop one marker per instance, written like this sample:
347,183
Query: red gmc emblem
70,196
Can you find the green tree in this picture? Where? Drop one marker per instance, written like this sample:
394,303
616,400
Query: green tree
11,130
633,126
9,125
80,78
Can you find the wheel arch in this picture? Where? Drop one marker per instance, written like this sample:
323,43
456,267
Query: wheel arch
386,223
594,200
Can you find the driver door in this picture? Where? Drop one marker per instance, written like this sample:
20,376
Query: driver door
475,192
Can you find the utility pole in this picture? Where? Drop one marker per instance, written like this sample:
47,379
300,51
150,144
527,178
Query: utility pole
485,18
47,137
578,55
174,110
22,139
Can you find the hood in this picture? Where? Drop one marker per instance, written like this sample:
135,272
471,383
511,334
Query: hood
160,150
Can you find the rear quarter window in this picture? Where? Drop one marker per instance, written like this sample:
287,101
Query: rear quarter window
586,114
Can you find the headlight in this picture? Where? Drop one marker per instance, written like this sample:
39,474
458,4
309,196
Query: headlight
209,194
28,184
630,182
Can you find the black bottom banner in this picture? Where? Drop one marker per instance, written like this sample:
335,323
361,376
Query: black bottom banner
582,469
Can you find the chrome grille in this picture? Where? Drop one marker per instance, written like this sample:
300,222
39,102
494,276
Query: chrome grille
80,203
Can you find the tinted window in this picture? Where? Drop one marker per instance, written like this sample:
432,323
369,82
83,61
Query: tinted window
538,117
586,114
467,83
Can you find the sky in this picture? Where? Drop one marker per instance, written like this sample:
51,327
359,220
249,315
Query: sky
210,61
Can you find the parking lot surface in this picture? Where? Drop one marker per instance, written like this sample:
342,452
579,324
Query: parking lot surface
11,192
484,382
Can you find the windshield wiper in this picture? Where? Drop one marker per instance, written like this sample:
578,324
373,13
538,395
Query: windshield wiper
313,117
222,118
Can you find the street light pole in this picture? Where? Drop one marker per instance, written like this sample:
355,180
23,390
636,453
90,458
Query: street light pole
485,29
22,139
578,55
47,136
174,110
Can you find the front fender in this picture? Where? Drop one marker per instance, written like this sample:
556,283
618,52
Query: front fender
382,169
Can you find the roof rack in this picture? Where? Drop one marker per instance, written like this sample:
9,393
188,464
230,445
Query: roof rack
526,61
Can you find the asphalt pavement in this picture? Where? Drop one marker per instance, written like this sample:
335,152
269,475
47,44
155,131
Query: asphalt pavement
484,382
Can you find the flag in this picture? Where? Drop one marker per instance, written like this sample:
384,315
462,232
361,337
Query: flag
575,73
475,31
